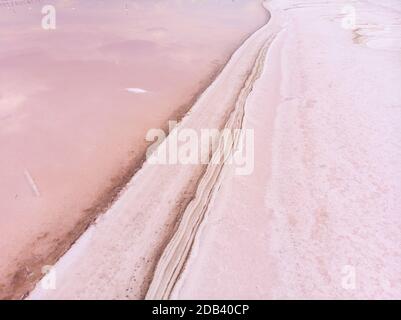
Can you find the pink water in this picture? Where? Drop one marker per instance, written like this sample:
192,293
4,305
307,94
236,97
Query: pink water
69,129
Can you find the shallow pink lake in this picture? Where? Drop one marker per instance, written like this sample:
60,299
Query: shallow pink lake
70,129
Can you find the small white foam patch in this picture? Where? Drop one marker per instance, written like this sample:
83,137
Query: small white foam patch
136,90
32,183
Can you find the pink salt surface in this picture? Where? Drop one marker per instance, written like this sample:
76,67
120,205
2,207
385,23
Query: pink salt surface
67,122
320,216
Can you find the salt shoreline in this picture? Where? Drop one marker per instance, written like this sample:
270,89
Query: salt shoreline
145,216
59,220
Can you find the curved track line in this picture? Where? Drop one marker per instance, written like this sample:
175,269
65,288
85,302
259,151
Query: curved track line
177,251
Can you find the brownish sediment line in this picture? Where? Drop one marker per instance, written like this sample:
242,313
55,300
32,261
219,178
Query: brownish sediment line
137,224
28,273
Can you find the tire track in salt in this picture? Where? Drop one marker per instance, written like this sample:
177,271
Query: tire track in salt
177,251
